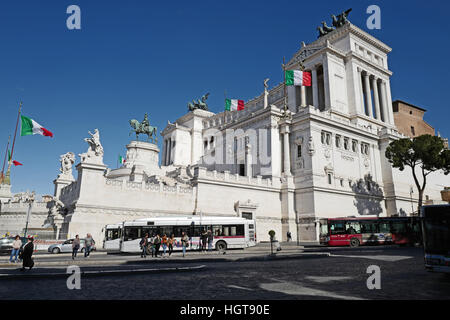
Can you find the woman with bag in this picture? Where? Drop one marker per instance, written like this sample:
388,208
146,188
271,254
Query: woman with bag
75,247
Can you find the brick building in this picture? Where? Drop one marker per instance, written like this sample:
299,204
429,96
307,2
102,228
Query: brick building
409,121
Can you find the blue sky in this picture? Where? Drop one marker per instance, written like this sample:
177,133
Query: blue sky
132,57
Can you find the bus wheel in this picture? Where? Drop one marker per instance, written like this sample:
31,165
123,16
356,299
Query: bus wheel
221,246
354,242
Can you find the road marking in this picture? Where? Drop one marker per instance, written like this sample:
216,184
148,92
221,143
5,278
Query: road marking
5,275
237,287
327,279
300,290
378,257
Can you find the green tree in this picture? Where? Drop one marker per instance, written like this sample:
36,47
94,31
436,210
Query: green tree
426,153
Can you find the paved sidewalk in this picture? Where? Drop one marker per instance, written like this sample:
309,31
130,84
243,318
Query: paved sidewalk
260,252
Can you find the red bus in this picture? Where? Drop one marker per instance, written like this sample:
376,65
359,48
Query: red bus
352,231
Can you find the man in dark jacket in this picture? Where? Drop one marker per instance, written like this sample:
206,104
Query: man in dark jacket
27,253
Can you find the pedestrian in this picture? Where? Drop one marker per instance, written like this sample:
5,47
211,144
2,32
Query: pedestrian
144,244
151,243
171,242
157,245
204,239
289,236
184,242
15,250
210,237
164,244
88,244
75,246
27,253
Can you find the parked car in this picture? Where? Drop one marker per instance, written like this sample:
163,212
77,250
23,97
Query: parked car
66,246
6,243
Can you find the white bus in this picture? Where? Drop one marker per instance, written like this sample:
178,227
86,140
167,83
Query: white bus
228,232
113,234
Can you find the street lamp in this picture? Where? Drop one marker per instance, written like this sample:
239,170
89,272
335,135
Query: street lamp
30,201
411,191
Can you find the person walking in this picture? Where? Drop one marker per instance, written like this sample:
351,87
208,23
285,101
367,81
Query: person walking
171,242
144,244
15,250
184,242
88,243
210,237
204,239
289,236
27,253
151,243
157,245
164,244
75,246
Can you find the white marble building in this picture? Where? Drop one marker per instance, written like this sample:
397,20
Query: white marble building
324,157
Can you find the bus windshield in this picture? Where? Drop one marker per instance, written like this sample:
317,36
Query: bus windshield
436,229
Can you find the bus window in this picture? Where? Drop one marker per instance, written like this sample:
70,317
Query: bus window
352,228
384,227
179,229
369,227
217,231
132,233
398,227
337,227
166,230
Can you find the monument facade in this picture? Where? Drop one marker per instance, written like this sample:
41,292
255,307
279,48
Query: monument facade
285,161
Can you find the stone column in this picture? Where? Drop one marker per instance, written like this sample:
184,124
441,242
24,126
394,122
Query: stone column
376,98
384,102
165,151
303,96
368,97
326,84
315,88
361,91
169,141
248,158
166,154
286,152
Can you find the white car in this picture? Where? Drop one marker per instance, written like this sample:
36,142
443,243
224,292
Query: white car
66,246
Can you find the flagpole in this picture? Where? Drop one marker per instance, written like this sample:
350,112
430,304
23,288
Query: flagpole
14,142
4,161
225,113
284,84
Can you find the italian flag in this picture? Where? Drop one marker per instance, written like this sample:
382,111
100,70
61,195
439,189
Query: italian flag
234,104
16,163
29,126
121,160
298,78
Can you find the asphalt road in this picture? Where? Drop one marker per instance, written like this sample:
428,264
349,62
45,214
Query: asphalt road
343,275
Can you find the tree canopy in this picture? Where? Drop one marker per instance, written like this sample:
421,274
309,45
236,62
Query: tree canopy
425,152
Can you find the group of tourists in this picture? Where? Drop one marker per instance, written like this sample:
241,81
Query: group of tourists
23,253
155,242
88,245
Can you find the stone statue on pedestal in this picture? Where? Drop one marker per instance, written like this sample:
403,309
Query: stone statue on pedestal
95,151
67,160
266,93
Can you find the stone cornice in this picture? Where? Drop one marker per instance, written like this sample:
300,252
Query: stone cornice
353,55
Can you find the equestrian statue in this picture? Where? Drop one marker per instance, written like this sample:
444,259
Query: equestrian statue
144,128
